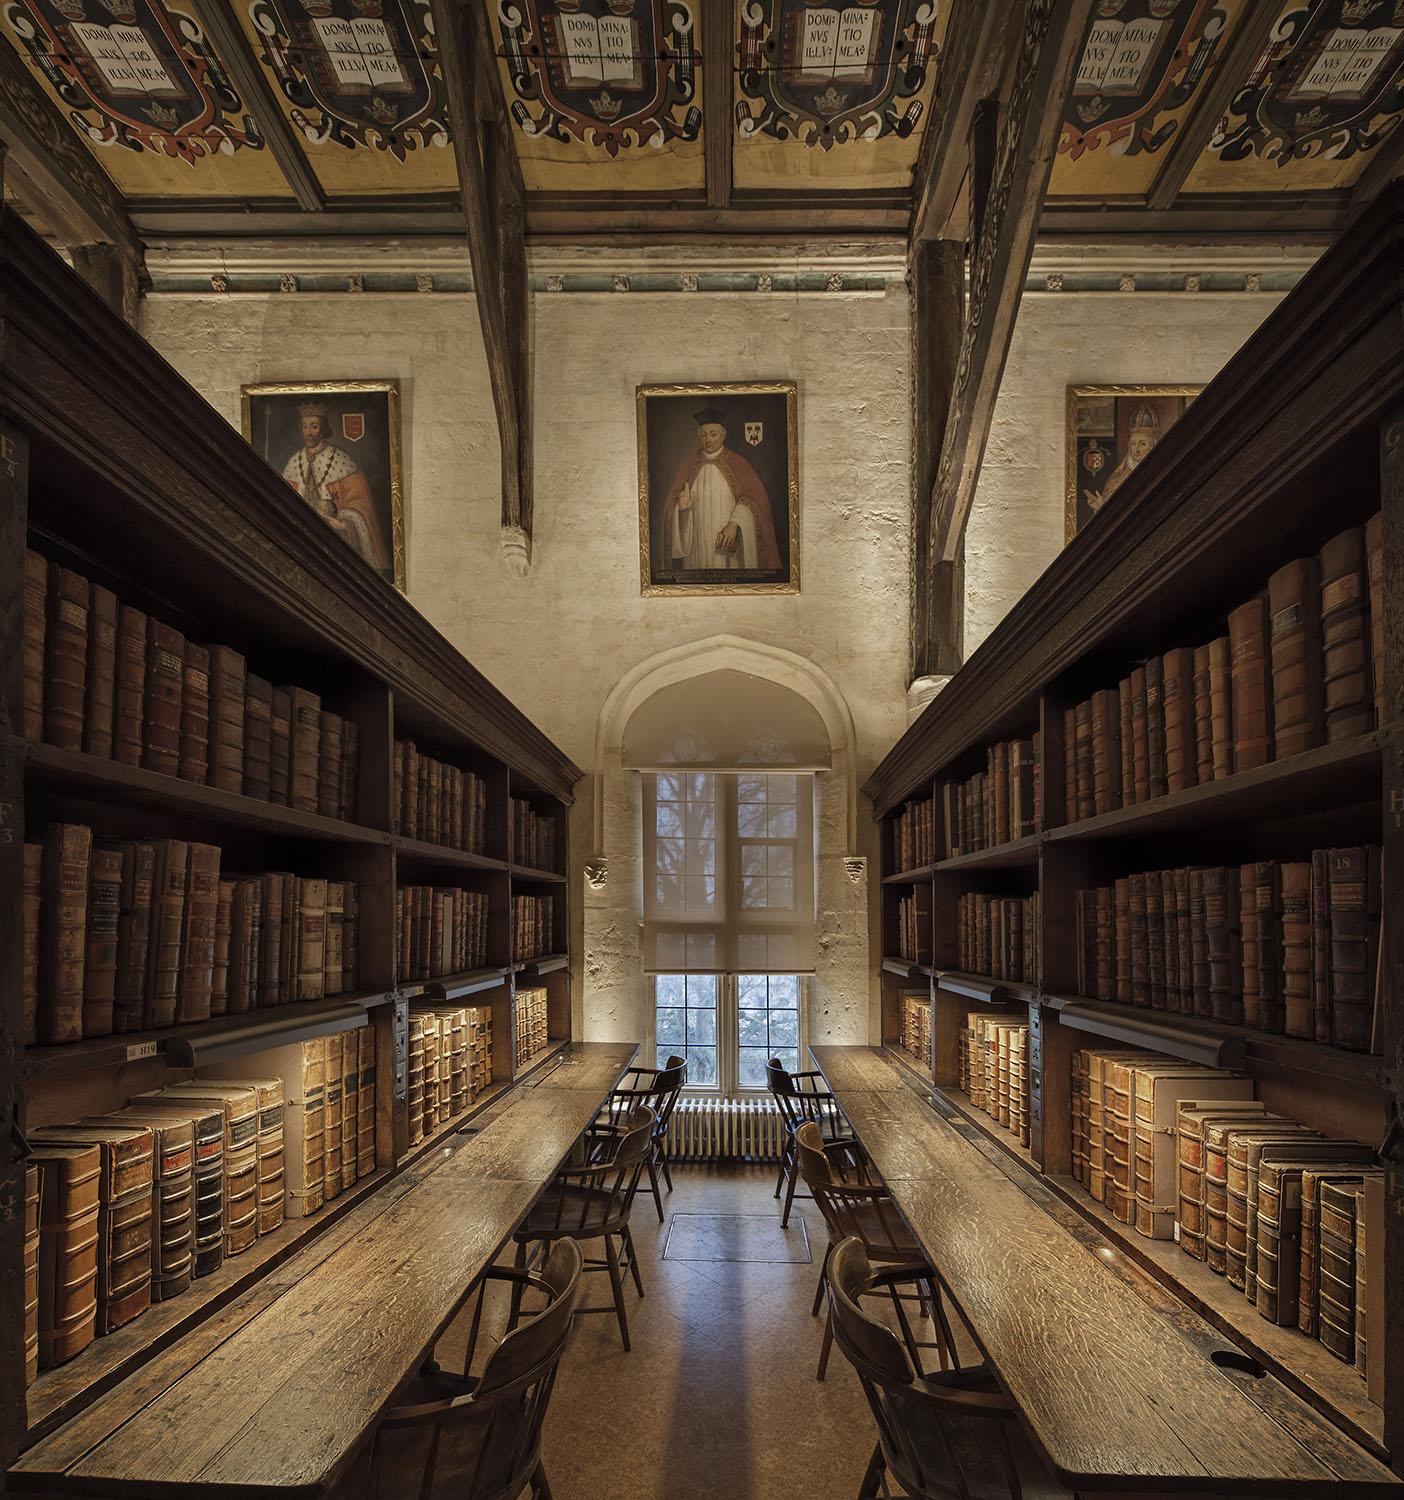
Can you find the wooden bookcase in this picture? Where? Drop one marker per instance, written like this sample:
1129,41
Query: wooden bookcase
1300,436
112,464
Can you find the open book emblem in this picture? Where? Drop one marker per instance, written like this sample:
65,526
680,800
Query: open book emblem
146,80
848,70
611,73
755,432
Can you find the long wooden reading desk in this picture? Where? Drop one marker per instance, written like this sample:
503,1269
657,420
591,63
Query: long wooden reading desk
274,1393
1116,1379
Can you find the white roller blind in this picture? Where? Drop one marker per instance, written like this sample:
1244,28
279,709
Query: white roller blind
728,873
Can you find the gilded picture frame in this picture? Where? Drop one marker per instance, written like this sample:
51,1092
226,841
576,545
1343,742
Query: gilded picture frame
1109,429
743,481
352,471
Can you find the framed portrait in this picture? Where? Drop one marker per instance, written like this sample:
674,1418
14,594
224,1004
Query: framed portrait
719,488
337,443
1111,428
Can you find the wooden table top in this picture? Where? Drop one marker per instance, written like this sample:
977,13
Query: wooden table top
273,1394
1117,1388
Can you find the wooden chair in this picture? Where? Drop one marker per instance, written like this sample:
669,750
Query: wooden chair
590,1199
866,1211
947,1436
650,1088
804,1098
483,1442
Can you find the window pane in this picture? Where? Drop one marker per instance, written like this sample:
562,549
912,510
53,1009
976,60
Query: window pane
701,820
782,789
702,1067
753,893
701,892
752,1070
751,989
700,788
784,991
669,1030
751,1028
784,1028
667,892
702,989
667,820
789,1058
701,1027
750,788
780,860
784,822
753,860
751,820
670,788
668,856
701,857
782,895
669,989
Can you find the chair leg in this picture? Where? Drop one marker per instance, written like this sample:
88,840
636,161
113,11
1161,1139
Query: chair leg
653,1185
790,1193
823,1281
663,1164
827,1344
784,1168
617,1282
872,1479
540,1485
520,1263
633,1259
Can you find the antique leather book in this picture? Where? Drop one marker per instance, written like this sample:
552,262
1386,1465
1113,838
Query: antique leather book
239,1107
304,743
1321,945
1241,1198
1023,802
409,785
1218,1141
98,717
329,759
1335,1268
227,673
335,935
1192,1120
290,950
1354,916
270,961
168,891
1294,609
268,1090
1140,744
291,1083
1248,925
1278,1221
68,1248
1177,696
350,1107
1121,932
1374,574
1140,947
1345,648
1109,1122
331,1134
279,745
1299,1018
1170,908
133,935
312,939
173,1195
1155,939
105,881
1077,1091
1185,938
66,657
1308,1284
365,1128
998,772
165,687
351,773
950,813
258,737
1203,718
1106,751
1370,1319
1267,877
1105,945
36,613
1221,706
245,944
223,933
1200,1001
32,899
434,803
198,934
194,762
1155,727
1250,687
31,1271
130,717
125,1225
63,926
1125,742
208,1123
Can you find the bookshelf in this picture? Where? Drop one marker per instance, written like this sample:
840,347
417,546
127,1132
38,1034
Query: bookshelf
111,465
1296,440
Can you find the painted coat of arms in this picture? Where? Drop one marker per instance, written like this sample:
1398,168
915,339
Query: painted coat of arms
823,73
1328,84
147,73
610,73
1142,59
357,72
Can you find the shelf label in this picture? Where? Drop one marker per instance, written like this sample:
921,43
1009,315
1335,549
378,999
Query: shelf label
140,1049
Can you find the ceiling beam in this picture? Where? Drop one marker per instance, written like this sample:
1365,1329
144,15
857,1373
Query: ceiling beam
1385,164
1225,79
252,82
496,250
75,197
1050,44
718,44
492,105
968,70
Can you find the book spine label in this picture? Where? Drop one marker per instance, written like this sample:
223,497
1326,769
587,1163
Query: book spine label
165,684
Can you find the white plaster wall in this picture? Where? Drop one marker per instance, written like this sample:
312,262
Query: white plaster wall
1076,338
558,640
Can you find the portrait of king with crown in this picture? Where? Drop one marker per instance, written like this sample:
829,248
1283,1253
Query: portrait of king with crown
1111,430
338,446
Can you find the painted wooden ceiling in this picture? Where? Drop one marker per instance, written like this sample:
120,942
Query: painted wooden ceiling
1176,104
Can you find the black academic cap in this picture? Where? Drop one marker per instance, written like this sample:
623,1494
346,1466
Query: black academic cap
709,414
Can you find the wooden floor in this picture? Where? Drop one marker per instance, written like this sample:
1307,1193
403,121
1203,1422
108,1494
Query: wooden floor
718,1396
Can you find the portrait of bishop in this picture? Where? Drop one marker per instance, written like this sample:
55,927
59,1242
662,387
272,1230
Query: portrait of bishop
717,514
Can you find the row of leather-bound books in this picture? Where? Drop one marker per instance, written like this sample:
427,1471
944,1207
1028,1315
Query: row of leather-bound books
912,835
130,1208
1300,664
450,1063
1287,1215
104,677
443,930
914,1027
531,1021
998,936
125,935
1288,946
533,926
914,933
438,802
993,1068
534,841
1000,803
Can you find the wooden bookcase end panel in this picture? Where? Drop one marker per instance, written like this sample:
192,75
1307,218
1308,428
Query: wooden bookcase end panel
371,708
